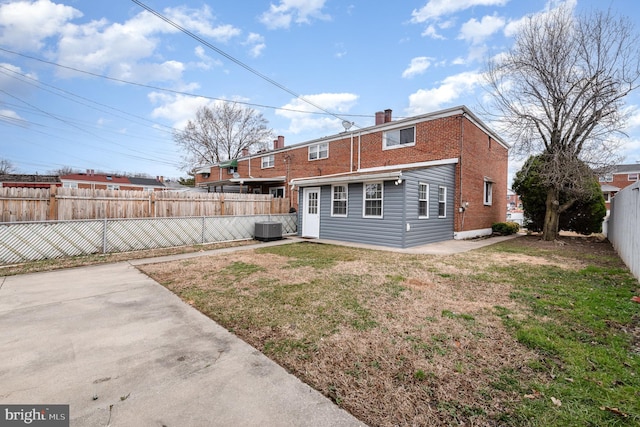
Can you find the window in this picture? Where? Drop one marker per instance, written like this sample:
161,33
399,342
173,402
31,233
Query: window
442,202
488,193
277,192
607,197
606,178
423,200
632,177
313,203
373,200
268,161
113,187
319,151
339,200
399,138
70,185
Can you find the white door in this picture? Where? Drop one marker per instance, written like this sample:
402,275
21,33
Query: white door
311,213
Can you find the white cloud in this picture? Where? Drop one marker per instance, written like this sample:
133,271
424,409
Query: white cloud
475,32
434,9
25,25
450,89
431,31
206,62
178,109
288,11
418,66
512,27
256,43
305,122
199,21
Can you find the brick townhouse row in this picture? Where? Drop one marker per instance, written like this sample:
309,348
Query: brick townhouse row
398,183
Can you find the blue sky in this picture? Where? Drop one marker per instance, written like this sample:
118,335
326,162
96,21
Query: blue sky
100,85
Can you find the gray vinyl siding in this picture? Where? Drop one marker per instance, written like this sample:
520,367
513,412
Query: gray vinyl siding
432,229
386,231
399,208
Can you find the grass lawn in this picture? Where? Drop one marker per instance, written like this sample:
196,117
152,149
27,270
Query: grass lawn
524,332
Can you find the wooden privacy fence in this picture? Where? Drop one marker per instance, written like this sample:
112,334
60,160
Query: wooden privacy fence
57,203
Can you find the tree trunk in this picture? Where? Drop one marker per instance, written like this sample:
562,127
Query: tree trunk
551,216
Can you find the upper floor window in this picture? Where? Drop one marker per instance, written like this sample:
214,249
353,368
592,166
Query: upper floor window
488,193
339,200
372,200
268,161
423,200
632,177
399,138
70,185
113,187
319,151
606,178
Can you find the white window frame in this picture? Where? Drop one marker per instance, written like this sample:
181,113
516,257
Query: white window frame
442,201
607,197
424,199
113,187
70,185
365,199
334,200
632,176
487,193
268,161
319,151
387,135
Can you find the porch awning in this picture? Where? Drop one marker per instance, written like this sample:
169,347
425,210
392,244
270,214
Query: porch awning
233,163
347,178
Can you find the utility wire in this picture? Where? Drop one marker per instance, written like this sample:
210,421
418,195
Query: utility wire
235,60
176,92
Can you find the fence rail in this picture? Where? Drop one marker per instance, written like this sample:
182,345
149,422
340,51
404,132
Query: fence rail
624,226
31,241
61,204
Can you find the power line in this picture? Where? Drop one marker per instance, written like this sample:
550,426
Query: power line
176,92
235,60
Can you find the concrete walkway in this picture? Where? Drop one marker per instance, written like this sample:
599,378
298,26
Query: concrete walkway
122,350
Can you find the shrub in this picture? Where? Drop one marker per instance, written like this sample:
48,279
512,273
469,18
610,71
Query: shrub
505,228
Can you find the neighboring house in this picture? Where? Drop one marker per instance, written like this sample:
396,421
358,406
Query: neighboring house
400,183
618,178
29,181
513,201
98,181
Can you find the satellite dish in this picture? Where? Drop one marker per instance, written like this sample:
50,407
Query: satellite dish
236,175
347,125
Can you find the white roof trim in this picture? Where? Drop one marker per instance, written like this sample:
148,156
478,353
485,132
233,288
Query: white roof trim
354,177
413,165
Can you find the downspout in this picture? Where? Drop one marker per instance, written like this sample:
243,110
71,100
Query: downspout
359,148
464,208
351,155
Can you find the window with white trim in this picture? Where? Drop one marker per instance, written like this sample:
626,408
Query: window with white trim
319,151
268,161
606,178
423,200
397,138
339,196
442,202
70,185
607,197
113,187
277,192
372,200
632,177
488,193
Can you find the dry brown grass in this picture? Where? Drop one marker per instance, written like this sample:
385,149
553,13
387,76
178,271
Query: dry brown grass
394,339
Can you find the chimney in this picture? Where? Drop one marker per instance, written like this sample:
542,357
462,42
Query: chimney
245,152
161,179
379,117
278,143
387,115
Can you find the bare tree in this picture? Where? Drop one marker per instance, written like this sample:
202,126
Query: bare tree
6,167
559,92
221,133
64,170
